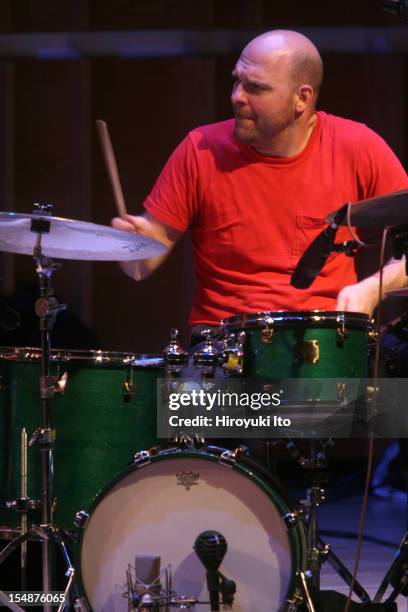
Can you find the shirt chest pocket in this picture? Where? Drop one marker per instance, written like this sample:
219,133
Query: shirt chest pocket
306,230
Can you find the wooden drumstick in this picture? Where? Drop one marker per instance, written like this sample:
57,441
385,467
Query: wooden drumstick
111,166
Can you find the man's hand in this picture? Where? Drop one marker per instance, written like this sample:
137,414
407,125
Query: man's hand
361,297
146,226
364,296
132,223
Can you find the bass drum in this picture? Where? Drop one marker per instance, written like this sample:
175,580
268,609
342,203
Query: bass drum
162,503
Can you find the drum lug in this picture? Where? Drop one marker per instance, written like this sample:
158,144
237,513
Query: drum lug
229,457
307,352
143,457
341,331
81,519
61,384
372,333
128,390
174,356
268,331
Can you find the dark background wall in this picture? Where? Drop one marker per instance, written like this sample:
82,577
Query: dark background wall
48,143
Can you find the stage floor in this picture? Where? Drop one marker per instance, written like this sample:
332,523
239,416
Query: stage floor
386,523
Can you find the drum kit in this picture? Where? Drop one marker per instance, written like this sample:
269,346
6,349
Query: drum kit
187,525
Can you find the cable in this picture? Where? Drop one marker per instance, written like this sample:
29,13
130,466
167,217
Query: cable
370,434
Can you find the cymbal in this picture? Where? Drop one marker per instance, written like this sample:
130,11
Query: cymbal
379,212
397,293
69,239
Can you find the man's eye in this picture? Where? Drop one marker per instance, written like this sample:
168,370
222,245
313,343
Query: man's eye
253,87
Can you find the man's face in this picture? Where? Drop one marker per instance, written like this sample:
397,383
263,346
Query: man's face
263,98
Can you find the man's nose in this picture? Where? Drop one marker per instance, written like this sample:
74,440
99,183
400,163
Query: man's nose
238,95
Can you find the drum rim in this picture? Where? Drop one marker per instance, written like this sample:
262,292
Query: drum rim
27,354
248,468
281,317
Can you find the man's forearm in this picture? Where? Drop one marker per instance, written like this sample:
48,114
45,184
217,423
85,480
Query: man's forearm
364,296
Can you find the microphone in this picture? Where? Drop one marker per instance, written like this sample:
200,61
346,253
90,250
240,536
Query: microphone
147,586
9,318
396,7
210,547
316,254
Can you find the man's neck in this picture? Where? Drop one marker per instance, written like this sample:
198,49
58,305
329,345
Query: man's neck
290,142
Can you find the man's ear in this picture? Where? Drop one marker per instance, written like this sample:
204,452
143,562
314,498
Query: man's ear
304,97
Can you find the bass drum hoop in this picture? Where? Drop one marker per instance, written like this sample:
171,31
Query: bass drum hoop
248,468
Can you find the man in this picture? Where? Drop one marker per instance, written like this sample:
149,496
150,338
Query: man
254,191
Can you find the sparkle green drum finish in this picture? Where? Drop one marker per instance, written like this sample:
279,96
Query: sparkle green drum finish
108,412
303,344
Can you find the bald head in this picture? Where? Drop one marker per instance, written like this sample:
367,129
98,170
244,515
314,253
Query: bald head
304,64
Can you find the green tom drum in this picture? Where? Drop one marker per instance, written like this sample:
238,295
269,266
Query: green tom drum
300,344
108,412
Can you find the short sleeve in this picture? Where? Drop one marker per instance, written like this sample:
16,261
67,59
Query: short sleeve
379,171
173,199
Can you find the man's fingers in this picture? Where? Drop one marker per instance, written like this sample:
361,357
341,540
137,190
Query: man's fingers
130,223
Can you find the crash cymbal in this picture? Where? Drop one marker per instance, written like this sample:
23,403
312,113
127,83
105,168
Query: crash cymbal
379,212
69,239
397,293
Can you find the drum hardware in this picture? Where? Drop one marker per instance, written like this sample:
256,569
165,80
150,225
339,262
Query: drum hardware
318,551
372,334
397,575
342,393
207,357
268,331
232,357
175,357
81,519
306,344
341,330
232,456
185,441
304,584
128,387
307,352
46,308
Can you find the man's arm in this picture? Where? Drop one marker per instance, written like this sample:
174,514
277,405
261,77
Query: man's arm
146,225
363,296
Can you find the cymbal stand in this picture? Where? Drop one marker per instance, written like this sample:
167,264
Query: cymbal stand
317,550
397,575
46,308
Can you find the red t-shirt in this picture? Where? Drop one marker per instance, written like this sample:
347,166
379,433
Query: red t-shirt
253,216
